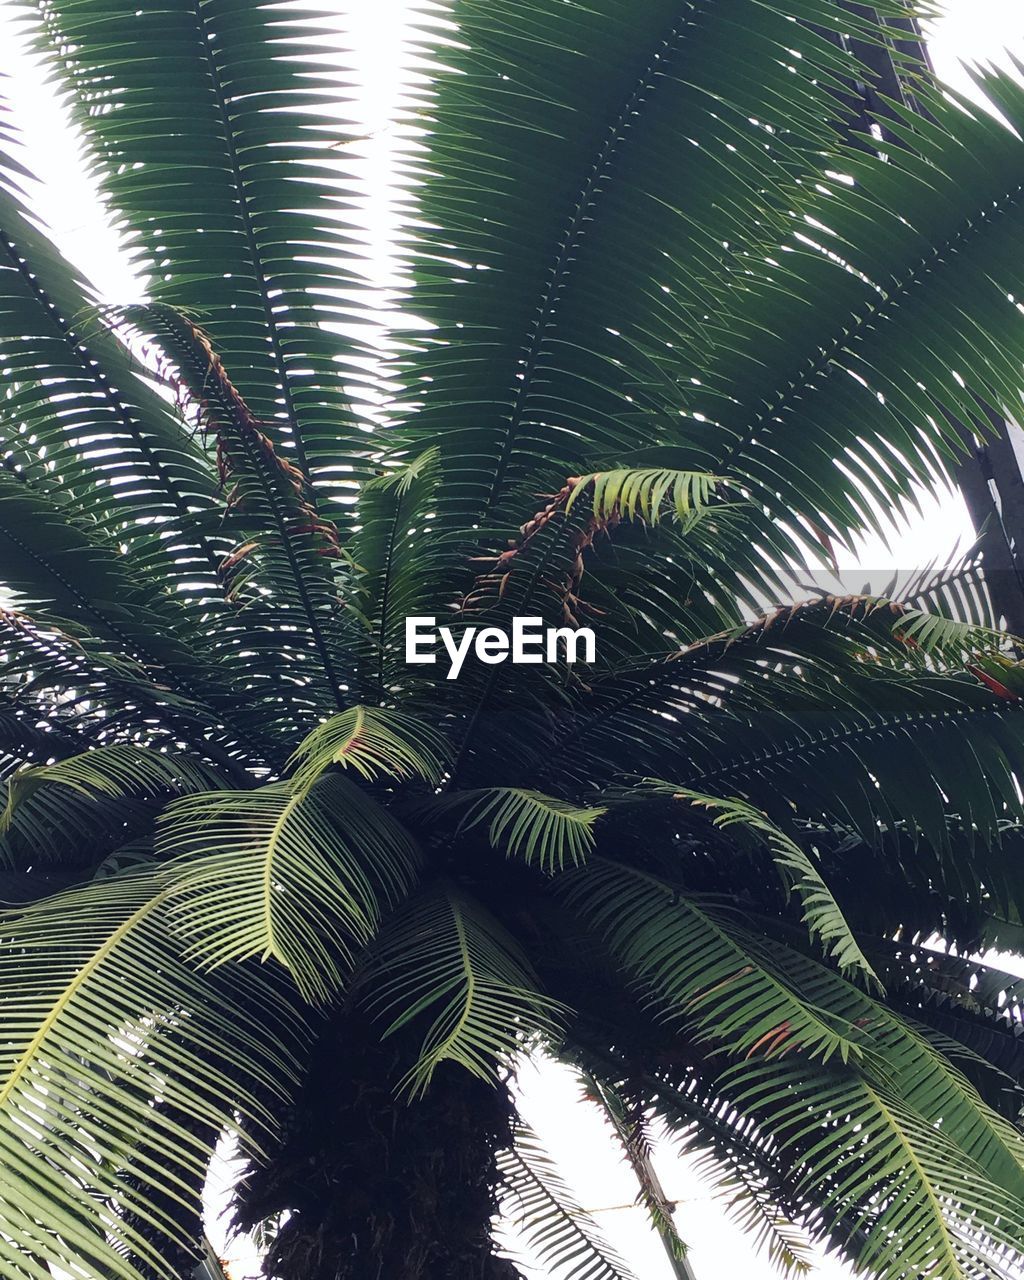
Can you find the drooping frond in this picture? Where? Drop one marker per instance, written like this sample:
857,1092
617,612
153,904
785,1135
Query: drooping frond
822,914
928,1209
547,1215
538,829
115,771
375,742
446,960
302,877
113,1050
746,1195
694,969
95,800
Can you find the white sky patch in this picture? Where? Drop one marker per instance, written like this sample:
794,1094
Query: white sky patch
380,61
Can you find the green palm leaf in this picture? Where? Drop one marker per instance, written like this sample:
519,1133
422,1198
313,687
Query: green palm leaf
374,742
447,961
930,1210
98,1028
641,494
302,877
694,969
822,913
538,829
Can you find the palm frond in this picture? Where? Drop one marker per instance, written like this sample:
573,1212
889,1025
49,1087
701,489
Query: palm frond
70,384
302,877
823,915
940,635
77,810
375,742
396,558
103,1019
631,1129
242,167
928,1208
695,970
540,830
115,771
747,1197
446,961
545,1212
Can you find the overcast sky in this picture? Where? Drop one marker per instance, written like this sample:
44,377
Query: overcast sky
976,30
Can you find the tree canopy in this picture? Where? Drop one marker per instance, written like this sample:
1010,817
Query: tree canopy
674,324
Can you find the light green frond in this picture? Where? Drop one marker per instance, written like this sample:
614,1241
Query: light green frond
644,494
694,969
949,636
822,914
400,479
300,876
102,1021
114,771
902,1059
544,1211
538,829
446,960
374,741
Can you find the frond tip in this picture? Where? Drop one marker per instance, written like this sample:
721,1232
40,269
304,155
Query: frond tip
535,828
822,913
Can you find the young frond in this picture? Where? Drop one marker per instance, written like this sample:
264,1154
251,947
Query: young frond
646,494
950,637
823,915
446,960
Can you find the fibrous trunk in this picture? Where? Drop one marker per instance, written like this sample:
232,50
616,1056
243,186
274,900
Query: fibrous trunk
376,1188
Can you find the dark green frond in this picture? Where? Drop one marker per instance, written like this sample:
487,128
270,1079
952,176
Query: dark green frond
549,1218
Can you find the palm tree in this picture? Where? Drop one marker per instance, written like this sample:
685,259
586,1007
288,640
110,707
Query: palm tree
677,322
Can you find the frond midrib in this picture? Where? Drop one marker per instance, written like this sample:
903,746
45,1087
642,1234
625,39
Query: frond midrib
78,981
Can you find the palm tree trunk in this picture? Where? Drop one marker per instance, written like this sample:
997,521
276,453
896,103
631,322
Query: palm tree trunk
374,1188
